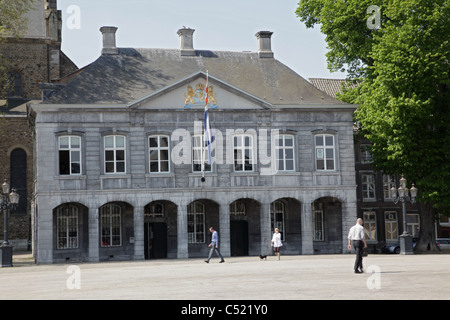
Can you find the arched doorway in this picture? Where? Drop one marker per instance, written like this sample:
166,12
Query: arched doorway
160,230
201,215
327,225
244,225
285,214
70,232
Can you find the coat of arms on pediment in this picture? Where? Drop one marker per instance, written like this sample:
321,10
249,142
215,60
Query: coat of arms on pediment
196,97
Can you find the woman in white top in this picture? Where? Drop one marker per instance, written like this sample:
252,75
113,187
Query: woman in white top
276,242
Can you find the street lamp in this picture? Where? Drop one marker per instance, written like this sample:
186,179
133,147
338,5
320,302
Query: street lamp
401,194
8,202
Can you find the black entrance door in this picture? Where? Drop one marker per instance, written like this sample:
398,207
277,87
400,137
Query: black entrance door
155,240
239,237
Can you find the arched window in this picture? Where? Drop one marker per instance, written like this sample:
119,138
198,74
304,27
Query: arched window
15,84
277,216
111,225
237,208
18,174
154,209
67,227
196,222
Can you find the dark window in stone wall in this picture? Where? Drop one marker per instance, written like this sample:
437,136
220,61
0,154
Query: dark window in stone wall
18,175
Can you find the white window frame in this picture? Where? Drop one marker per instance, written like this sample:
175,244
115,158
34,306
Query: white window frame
241,150
388,183
368,187
391,225
159,150
413,224
196,222
74,152
199,150
67,232
365,155
322,152
318,221
154,209
277,209
282,152
116,150
110,222
237,208
370,225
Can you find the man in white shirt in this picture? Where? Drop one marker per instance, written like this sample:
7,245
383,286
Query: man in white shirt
357,239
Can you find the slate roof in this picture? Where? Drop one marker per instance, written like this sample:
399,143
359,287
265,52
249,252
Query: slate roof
135,73
331,86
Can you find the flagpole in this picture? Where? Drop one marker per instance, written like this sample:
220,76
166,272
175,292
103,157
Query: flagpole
205,129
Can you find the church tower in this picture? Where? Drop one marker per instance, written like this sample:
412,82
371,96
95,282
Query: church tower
36,57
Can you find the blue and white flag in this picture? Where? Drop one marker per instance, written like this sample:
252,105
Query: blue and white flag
207,126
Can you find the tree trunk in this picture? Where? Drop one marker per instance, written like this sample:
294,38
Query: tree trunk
427,234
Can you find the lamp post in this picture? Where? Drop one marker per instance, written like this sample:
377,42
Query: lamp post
401,194
8,202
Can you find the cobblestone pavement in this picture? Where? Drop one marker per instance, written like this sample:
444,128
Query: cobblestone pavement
329,277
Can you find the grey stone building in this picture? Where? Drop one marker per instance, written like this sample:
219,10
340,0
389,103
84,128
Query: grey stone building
119,171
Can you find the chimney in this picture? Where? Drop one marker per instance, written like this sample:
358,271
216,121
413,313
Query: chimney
109,40
264,44
186,41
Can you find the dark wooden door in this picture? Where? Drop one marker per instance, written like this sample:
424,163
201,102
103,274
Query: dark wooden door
239,237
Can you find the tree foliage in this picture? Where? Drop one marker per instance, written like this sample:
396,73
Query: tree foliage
12,24
403,96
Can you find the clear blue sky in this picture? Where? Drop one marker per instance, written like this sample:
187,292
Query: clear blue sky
219,25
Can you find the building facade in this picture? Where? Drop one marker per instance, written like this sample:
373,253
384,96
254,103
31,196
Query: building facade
121,169
383,218
33,58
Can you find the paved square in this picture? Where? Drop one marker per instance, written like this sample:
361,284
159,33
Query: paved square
293,277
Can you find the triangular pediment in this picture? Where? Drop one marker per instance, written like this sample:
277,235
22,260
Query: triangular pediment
189,93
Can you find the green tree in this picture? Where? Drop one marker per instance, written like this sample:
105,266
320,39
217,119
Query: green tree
403,96
12,24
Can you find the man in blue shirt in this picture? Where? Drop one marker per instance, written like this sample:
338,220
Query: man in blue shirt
214,245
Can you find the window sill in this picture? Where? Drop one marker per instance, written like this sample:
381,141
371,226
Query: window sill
70,177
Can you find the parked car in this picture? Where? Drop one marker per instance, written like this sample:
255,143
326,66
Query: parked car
444,244
395,247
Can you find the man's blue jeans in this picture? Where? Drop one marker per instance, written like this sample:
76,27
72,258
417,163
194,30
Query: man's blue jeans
213,248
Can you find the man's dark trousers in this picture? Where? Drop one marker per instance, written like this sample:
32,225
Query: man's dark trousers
358,245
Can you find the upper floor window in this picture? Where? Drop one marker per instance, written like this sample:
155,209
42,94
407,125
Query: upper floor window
388,183
69,155
284,152
243,153
368,186
115,149
14,88
325,152
199,155
364,153
159,153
